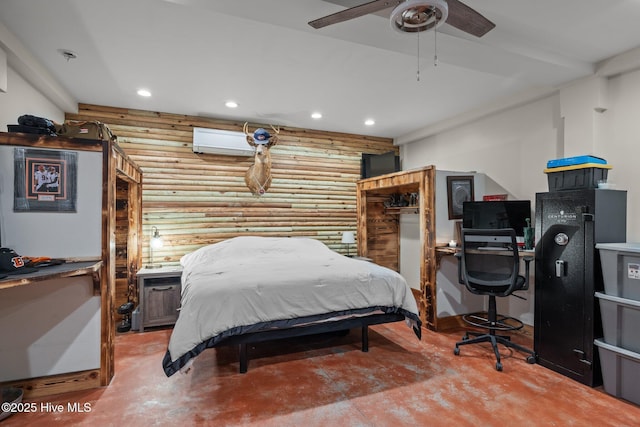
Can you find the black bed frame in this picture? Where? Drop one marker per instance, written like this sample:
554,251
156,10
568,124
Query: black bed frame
316,328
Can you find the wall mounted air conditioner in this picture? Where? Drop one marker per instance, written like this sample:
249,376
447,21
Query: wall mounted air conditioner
225,142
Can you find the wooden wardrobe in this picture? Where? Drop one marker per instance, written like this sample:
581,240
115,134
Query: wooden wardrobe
379,228
115,265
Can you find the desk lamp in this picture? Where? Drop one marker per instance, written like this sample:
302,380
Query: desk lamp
348,238
155,243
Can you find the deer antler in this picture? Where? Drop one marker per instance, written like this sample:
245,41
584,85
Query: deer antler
274,139
250,140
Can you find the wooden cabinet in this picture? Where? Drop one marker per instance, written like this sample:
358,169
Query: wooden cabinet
379,228
159,298
119,186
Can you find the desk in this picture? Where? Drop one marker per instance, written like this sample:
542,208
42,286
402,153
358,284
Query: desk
53,329
68,269
453,300
448,250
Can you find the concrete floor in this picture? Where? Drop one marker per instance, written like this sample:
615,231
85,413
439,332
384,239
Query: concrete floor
327,381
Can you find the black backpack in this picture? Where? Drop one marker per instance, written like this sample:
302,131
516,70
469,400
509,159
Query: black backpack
37,122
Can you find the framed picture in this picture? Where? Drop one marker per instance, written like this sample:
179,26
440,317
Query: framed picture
44,180
459,190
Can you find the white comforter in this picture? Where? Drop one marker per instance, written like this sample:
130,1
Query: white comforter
250,283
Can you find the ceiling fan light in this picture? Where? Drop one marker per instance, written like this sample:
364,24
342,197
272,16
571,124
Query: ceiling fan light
411,17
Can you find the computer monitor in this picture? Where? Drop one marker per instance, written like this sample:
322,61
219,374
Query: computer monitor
497,214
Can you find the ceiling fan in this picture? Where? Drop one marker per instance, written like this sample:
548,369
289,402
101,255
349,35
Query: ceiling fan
410,16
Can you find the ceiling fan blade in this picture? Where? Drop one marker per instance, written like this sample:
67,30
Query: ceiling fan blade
468,20
354,12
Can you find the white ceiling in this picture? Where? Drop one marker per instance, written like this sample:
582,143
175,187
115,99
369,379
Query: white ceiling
193,55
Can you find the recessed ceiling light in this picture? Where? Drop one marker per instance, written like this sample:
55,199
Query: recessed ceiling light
369,122
231,104
316,115
144,92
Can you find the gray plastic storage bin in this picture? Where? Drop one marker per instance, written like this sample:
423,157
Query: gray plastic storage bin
620,321
620,371
621,269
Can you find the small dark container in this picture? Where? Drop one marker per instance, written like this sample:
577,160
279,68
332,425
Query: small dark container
575,179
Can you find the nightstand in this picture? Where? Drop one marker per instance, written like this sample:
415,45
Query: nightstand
159,296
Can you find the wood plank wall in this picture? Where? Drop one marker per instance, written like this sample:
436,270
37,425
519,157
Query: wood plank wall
383,232
123,291
198,199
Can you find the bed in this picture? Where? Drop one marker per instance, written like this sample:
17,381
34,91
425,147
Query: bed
251,289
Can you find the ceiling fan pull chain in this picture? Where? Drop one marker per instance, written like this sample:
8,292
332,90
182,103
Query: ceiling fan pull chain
418,63
435,47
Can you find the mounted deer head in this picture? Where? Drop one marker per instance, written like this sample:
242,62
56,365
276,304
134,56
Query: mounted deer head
258,176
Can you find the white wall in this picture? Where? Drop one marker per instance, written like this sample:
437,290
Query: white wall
619,143
3,70
50,327
47,234
55,234
21,98
451,299
411,241
512,148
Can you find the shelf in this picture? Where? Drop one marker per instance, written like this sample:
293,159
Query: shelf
68,269
379,228
412,210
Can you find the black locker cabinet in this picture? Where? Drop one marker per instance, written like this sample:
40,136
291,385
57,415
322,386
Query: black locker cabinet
568,273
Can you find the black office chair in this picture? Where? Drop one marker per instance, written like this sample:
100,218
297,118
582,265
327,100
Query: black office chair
489,264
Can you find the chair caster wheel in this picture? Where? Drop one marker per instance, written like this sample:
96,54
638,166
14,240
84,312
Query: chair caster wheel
531,360
465,337
499,366
456,351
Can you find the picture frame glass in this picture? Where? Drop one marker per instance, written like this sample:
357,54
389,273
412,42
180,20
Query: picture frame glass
459,190
45,180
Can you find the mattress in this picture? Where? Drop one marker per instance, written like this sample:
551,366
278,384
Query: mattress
249,284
